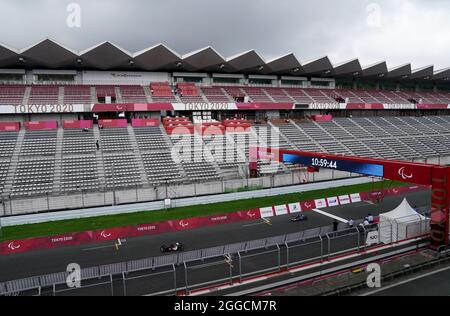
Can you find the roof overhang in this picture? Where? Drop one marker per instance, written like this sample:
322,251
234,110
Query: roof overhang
400,72
442,75
206,59
50,54
321,66
247,62
9,57
424,73
105,56
350,68
378,70
158,57
285,65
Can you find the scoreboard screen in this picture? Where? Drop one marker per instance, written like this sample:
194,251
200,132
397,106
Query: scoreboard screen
368,169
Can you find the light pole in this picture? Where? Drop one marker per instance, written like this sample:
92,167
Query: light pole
166,183
114,184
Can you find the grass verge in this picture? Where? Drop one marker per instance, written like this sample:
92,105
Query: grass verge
111,221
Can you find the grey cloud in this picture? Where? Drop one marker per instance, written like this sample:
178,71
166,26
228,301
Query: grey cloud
310,29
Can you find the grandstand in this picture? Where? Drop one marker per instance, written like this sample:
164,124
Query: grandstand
161,92
65,131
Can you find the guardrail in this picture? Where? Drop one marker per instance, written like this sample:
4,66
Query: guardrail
390,276
203,267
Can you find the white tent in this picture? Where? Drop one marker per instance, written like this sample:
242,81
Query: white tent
401,223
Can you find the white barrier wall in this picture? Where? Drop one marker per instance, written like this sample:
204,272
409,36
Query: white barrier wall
136,195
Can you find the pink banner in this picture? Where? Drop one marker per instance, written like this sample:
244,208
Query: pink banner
97,236
9,126
144,122
365,106
121,123
322,118
132,107
78,124
379,194
41,126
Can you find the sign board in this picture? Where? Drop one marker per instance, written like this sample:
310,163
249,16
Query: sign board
281,210
294,208
355,198
344,199
321,203
266,212
373,238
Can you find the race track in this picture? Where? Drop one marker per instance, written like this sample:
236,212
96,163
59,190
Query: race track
36,263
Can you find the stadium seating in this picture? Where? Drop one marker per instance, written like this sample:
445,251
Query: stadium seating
64,161
235,92
195,161
133,94
162,92
278,95
106,91
257,95
45,94
189,93
12,95
298,95
80,174
215,94
8,142
77,94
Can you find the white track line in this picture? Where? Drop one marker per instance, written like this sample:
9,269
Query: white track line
98,248
331,216
364,204
255,224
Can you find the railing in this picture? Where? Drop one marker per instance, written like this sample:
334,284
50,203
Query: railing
207,267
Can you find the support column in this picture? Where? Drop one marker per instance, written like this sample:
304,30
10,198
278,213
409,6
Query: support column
440,203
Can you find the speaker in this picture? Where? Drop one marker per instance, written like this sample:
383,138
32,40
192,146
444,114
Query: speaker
253,173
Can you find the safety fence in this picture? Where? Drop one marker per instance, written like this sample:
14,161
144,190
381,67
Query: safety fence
196,269
443,259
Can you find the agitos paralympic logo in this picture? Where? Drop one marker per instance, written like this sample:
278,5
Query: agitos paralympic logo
403,173
13,247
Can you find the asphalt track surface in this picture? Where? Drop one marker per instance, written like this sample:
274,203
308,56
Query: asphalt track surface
430,284
37,263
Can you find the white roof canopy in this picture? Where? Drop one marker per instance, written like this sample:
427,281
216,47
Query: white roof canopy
403,213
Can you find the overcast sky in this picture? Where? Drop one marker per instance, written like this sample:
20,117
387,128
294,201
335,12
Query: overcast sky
398,31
